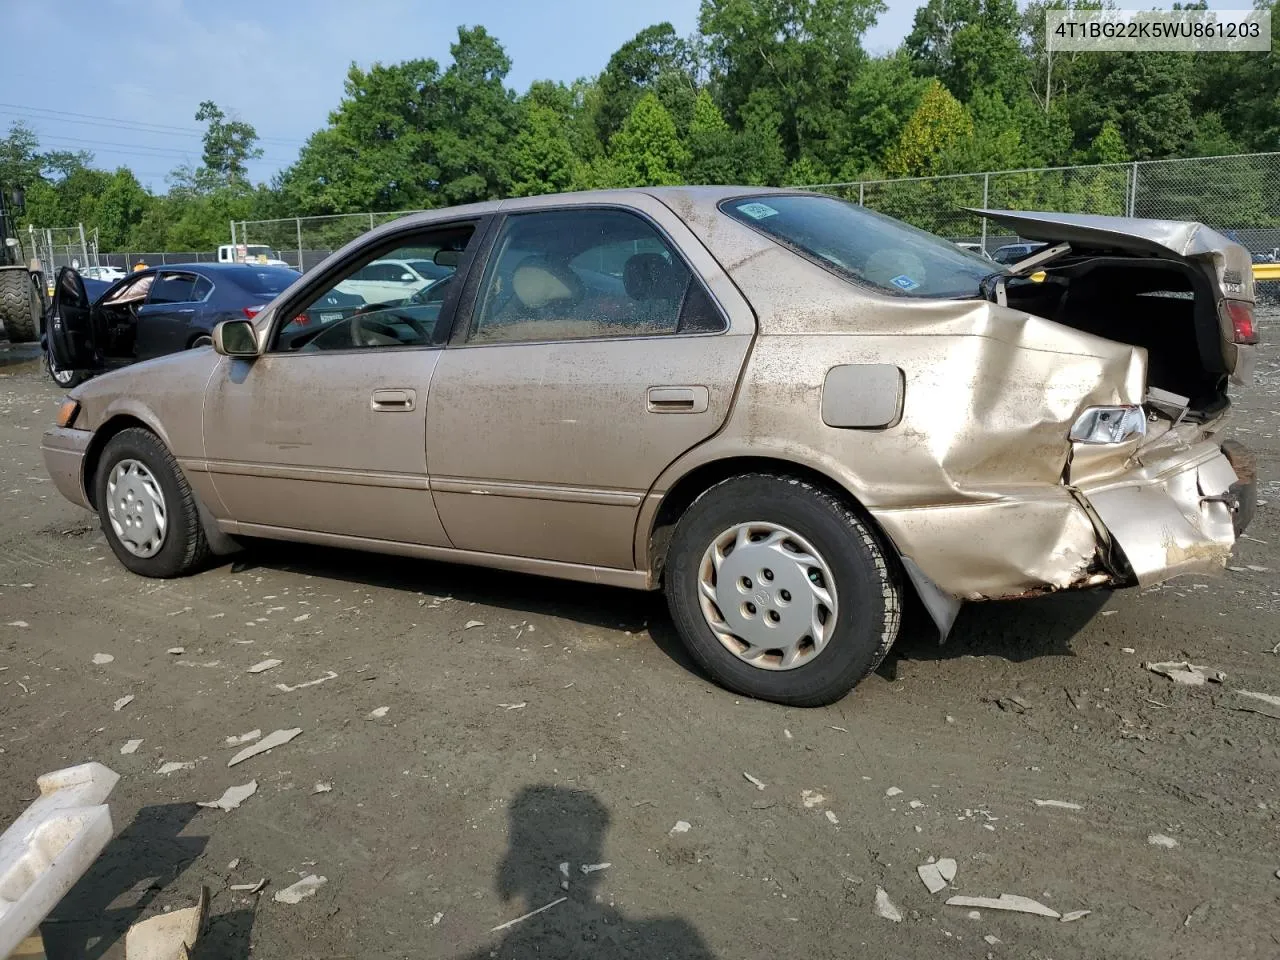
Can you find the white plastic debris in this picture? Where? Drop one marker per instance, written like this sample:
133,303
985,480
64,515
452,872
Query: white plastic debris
514,706
811,799
173,766
531,913
947,867
321,787
243,738
122,703
473,623
377,713
832,817
435,921
914,804
18,623
892,792
594,867
1075,915
167,936
50,846
754,781
130,746
306,887
1060,804
1187,674
992,939
269,742
682,826
233,864
931,876
885,907
1160,840
262,666
176,650
1263,703
101,659
249,887
285,688
301,617
232,797
1006,901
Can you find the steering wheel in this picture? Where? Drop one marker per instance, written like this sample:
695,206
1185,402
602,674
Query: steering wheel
367,332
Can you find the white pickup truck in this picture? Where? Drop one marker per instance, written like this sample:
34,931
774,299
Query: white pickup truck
249,253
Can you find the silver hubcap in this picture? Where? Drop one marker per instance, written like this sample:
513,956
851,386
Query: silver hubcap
135,507
768,595
59,375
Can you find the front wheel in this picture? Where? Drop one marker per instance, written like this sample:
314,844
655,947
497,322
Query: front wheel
780,591
146,507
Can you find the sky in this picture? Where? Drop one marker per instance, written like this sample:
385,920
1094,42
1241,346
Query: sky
123,78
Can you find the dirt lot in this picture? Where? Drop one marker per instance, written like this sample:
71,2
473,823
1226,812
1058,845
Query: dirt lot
530,723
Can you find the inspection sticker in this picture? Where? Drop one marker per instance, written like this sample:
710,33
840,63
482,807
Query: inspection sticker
757,211
905,282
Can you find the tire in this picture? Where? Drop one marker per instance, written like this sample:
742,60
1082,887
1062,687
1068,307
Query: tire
204,340
181,546
66,379
19,305
811,531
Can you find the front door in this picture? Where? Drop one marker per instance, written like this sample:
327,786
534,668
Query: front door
593,357
325,432
72,340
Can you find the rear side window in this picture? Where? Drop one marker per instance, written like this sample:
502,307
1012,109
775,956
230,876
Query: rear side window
172,288
202,288
587,274
864,246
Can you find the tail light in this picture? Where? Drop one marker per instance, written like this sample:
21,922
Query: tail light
251,312
1243,328
302,320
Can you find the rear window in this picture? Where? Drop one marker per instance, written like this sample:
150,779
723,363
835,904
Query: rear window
864,246
265,281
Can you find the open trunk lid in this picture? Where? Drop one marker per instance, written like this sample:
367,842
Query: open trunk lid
1179,289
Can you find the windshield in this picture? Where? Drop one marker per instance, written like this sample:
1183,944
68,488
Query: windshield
265,281
257,250
865,246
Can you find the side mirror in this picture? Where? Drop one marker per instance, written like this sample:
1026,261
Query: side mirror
407,278
235,338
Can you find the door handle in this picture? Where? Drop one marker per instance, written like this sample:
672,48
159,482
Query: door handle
188,310
678,399
386,400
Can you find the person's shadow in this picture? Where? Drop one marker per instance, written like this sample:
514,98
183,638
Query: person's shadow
556,831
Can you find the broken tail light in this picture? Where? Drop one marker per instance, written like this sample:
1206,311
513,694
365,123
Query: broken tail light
1109,425
251,312
1243,328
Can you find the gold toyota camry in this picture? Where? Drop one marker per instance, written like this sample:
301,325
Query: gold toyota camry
784,410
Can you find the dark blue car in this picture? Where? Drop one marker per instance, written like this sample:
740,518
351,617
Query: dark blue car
95,326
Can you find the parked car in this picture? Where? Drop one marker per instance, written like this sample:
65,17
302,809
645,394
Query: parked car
109,274
974,248
1013,252
389,281
786,411
150,313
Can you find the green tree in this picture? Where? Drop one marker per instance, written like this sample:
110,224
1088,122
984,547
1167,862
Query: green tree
940,124
542,158
970,45
1108,145
656,60
712,144
122,205
647,150
884,95
228,144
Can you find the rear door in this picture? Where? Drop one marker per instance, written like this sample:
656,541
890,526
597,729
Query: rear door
592,356
166,321
72,338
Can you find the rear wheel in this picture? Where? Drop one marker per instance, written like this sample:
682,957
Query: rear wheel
146,507
63,378
781,591
20,305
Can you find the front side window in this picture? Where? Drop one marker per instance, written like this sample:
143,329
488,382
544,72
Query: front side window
387,313
585,274
868,247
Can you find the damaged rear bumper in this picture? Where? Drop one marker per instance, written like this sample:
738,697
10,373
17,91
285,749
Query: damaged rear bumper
1179,512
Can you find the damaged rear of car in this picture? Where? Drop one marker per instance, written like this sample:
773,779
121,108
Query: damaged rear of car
1058,422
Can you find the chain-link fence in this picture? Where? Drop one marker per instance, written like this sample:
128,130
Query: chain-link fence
57,247
1234,194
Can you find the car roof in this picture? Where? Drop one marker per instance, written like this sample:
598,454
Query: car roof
215,268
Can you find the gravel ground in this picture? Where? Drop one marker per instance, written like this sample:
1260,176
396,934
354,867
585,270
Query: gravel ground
477,730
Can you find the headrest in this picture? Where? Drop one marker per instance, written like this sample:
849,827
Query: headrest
538,282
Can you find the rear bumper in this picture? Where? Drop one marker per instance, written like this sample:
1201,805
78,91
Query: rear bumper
64,453
1180,513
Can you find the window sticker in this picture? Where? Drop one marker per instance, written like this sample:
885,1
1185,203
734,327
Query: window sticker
904,282
757,211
